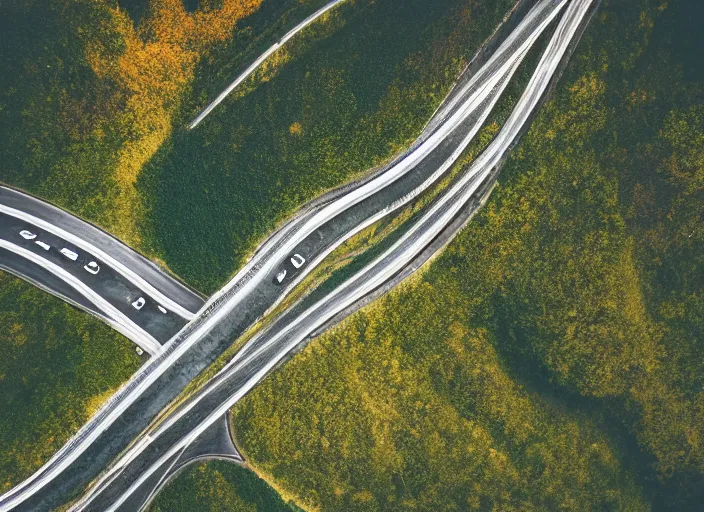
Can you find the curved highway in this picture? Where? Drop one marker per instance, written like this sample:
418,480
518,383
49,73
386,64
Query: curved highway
162,447
280,264
92,270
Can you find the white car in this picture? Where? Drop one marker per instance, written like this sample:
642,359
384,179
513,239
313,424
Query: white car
280,276
69,254
297,260
139,303
27,235
92,267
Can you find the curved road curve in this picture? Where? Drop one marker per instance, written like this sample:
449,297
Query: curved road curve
253,291
265,351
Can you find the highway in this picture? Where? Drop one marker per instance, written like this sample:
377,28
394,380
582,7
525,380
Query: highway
287,257
265,351
92,270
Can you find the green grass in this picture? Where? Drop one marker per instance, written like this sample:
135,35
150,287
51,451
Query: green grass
215,486
57,365
404,407
51,105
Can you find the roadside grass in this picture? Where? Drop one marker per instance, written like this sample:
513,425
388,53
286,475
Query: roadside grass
337,107
57,365
219,485
568,309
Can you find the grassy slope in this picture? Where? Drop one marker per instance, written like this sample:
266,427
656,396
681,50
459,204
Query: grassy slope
57,365
218,485
406,407
52,105
552,354
339,107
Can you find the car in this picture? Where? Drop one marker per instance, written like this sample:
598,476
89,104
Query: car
139,303
69,254
297,260
27,235
92,267
280,276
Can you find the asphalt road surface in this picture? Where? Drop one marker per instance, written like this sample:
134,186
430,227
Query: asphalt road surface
260,60
92,270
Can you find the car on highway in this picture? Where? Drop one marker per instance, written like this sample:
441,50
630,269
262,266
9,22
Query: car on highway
69,254
297,260
92,267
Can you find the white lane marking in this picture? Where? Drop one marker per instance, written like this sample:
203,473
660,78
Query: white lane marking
122,323
162,309
43,245
69,254
247,72
27,235
125,272
512,127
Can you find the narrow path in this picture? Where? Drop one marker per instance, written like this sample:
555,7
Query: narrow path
260,60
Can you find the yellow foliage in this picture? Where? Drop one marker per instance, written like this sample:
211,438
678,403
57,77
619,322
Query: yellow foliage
157,63
363,496
97,401
295,129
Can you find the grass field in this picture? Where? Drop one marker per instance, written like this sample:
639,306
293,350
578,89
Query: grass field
57,366
549,359
216,486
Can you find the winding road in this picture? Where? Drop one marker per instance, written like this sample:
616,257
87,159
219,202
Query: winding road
266,350
278,266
